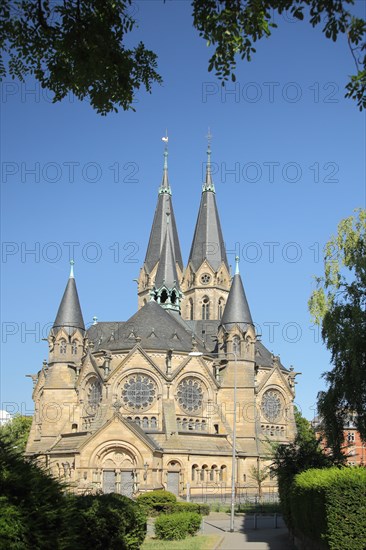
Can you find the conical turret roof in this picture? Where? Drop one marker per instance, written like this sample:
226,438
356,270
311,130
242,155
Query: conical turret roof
69,315
237,309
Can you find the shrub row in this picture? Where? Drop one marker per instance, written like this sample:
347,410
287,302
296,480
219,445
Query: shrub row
164,502
36,512
329,506
177,526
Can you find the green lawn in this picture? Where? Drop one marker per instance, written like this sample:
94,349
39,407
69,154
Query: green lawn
199,542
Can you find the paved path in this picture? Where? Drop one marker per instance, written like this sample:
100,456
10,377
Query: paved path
245,537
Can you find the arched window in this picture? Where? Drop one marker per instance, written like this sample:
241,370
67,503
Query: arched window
194,472
74,347
138,420
63,346
145,423
191,424
153,423
223,473
94,396
205,308
179,423
221,305
163,297
236,344
203,425
185,423
212,472
203,472
197,425
191,310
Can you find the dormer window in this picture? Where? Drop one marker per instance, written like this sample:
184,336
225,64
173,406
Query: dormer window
62,346
74,347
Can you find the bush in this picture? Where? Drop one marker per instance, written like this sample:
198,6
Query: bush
109,521
329,505
177,526
156,501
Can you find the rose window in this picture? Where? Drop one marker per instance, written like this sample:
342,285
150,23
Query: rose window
190,394
271,405
138,392
205,279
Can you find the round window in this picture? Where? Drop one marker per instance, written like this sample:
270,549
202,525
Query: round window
138,392
205,279
271,405
190,394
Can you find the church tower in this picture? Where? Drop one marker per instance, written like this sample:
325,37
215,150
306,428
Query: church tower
164,210
206,281
67,348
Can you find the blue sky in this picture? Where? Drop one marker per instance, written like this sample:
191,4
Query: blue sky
288,154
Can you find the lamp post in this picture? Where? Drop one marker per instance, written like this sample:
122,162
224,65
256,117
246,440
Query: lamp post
233,459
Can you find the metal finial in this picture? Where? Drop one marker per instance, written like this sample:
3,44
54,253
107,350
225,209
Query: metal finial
237,265
209,137
165,139
72,269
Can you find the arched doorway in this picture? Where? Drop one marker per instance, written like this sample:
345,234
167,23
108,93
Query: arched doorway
173,477
119,472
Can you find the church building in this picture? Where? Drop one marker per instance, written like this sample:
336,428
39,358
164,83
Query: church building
181,396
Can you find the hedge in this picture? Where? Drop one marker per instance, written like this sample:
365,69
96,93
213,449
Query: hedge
36,512
329,506
108,521
177,526
155,500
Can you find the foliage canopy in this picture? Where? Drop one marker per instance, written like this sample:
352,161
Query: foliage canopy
339,306
79,46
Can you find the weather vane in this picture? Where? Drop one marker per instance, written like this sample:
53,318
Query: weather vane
165,138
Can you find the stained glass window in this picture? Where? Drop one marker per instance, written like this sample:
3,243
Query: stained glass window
94,395
271,405
138,392
190,394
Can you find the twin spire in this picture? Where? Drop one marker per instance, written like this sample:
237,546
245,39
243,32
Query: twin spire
164,250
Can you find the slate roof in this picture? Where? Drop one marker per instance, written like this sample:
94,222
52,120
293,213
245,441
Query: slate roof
152,326
166,274
237,309
158,229
69,314
208,242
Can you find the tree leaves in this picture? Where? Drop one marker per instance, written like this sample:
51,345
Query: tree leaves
232,26
339,305
77,46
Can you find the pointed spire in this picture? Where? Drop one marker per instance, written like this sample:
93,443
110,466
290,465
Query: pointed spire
158,229
208,242
209,184
166,288
165,187
167,271
69,314
237,309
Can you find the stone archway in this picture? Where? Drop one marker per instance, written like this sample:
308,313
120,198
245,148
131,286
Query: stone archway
118,467
173,477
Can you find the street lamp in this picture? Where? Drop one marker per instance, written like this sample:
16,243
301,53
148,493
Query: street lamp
233,459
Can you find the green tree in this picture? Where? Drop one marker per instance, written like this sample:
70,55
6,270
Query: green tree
233,27
16,432
339,306
79,46
288,460
259,475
